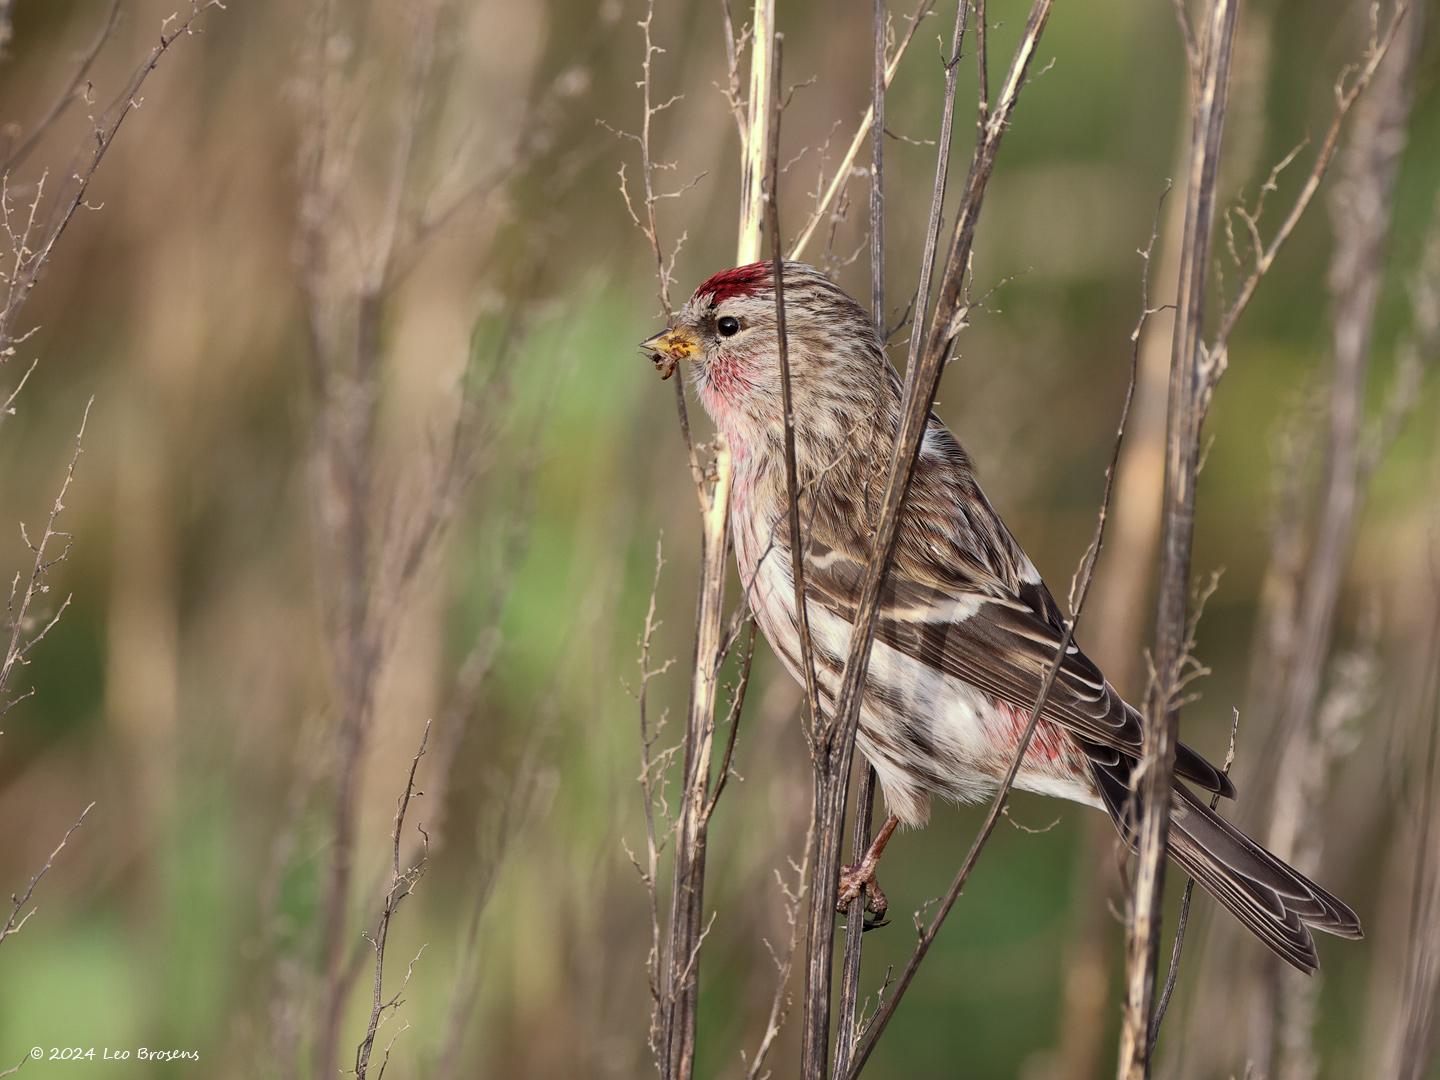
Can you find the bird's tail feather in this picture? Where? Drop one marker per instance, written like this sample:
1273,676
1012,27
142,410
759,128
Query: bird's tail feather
1274,901
1277,903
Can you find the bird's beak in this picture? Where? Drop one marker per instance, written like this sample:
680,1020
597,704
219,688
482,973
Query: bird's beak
667,348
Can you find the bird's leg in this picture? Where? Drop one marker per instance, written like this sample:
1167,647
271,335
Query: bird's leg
862,876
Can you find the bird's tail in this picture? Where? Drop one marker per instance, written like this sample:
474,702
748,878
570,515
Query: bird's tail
1277,903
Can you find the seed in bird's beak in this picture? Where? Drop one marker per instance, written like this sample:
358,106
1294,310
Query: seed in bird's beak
667,348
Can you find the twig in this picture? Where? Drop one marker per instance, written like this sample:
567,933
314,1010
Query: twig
846,1025
1361,212
23,637
937,196
1183,920
792,483
649,225
845,1031
402,884
1079,592
784,960
27,272
682,954
1155,773
731,89
982,66
877,173
652,792
16,922
732,721
1345,98
67,96
835,747
847,162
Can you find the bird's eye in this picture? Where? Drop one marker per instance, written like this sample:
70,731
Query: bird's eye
727,326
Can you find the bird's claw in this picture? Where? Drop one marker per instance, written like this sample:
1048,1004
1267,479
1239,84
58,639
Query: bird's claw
853,879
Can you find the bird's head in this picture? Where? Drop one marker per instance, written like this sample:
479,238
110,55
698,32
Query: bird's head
727,333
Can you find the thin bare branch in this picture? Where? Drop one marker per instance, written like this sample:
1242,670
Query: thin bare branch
402,884
845,1029
1361,210
24,635
22,279
67,95
921,303
1155,773
19,916
847,162
784,959
1345,99
681,963
835,747
1183,920
1079,592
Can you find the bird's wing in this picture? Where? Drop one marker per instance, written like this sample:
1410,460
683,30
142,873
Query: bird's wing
962,598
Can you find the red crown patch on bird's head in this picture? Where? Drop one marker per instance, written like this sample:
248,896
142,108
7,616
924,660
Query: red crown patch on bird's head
744,280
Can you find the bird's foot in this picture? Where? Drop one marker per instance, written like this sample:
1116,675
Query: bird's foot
854,880
861,876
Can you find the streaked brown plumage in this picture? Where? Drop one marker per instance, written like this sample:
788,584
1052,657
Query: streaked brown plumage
967,627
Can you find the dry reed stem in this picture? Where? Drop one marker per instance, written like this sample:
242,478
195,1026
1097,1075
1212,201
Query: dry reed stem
835,746
845,1027
1079,593
1154,776
1361,211
675,992
1172,974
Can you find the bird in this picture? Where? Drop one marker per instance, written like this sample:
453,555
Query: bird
967,628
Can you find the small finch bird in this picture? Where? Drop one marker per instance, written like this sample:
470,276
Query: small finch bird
967,629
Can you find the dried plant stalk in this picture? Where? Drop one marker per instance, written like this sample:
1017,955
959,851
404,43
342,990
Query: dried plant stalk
1156,773
679,987
1362,206
865,798
403,879
835,743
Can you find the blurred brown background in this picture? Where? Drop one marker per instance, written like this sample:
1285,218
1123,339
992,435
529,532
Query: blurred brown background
197,686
